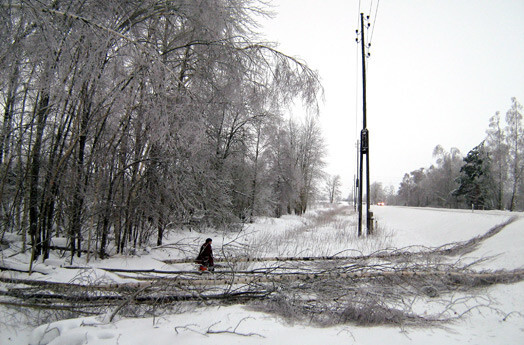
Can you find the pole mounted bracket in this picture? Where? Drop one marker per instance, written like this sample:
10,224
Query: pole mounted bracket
364,139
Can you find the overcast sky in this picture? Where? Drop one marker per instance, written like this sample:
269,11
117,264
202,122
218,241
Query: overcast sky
439,69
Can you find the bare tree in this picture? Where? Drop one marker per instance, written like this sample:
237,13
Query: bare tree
498,150
310,154
377,193
442,176
515,142
121,119
333,184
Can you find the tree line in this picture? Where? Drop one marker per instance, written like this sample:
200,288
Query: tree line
490,176
122,120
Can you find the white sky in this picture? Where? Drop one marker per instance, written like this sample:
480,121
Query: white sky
439,69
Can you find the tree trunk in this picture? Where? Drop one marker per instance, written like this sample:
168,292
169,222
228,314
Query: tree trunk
255,176
80,183
106,215
8,113
41,112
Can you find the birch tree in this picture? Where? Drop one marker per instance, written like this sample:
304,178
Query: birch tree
498,150
122,120
441,178
310,155
332,185
515,143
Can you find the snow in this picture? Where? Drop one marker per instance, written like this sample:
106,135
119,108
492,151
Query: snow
500,321
507,246
435,227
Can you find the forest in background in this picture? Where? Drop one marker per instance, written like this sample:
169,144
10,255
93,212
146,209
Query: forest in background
490,176
122,120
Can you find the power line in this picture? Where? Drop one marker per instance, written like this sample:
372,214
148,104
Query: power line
357,92
363,150
364,143
370,29
366,27
374,21
358,13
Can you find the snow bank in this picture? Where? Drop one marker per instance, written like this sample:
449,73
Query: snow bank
433,226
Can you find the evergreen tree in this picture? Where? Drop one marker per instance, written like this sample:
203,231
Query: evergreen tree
475,181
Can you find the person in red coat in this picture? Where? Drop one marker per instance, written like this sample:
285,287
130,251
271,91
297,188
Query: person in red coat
205,257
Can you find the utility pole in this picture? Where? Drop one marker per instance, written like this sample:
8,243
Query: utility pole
354,196
364,142
356,184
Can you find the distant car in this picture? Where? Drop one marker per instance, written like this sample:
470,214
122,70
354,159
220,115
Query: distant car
380,203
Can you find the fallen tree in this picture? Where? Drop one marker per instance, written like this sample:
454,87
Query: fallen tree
397,286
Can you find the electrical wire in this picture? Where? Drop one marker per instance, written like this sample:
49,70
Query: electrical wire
357,85
366,18
374,21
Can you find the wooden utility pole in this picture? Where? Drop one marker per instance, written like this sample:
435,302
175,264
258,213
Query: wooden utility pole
357,177
364,142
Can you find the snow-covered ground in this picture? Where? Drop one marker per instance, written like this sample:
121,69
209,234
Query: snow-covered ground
501,323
